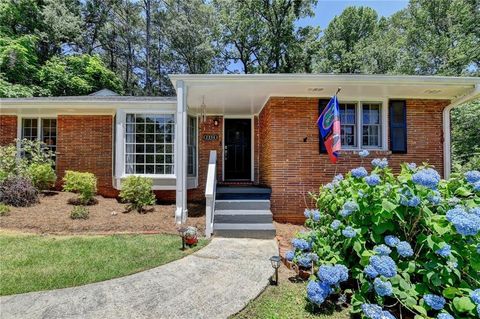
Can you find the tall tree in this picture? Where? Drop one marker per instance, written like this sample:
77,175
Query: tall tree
341,41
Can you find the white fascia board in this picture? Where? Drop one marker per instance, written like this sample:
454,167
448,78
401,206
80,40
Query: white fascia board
328,78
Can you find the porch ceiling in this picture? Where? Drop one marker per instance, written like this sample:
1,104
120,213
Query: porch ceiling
245,94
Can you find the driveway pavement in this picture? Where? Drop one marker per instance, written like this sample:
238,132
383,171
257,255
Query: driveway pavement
215,282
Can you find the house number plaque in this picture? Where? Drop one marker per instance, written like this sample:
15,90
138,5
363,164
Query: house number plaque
210,137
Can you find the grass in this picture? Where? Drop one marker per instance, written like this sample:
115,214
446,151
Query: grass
286,301
35,262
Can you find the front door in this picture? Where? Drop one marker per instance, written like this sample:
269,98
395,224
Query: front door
238,149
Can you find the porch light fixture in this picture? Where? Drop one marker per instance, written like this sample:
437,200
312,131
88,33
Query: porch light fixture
275,261
203,110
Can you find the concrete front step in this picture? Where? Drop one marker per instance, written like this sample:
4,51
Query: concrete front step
259,231
239,204
243,192
243,216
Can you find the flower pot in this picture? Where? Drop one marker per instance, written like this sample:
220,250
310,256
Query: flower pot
191,240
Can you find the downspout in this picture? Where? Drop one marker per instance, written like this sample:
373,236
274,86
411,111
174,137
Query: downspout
447,150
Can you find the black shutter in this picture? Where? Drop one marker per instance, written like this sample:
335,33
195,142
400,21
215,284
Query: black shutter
398,126
322,103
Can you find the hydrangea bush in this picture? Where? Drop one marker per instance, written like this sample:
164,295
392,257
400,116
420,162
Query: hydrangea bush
396,244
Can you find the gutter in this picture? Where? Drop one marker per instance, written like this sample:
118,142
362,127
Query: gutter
447,147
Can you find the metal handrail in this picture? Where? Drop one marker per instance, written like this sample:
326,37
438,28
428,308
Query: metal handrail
210,191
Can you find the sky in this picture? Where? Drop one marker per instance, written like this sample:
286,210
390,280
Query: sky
326,10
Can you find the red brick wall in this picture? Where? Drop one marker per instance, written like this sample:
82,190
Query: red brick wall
204,148
85,143
8,129
292,167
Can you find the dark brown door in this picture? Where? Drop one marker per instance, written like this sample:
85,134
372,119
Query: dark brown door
238,149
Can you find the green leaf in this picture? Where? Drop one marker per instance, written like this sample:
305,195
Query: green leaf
450,292
463,304
388,205
381,228
462,191
421,310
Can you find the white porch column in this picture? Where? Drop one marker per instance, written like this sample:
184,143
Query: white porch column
181,153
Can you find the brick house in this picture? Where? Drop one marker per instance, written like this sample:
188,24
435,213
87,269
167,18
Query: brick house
262,127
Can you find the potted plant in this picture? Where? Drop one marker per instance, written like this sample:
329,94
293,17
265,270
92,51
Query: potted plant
190,236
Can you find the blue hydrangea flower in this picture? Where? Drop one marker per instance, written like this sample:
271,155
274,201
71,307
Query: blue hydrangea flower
349,232
412,166
382,250
372,180
338,178
427,177
380,163
307,213
476,187
475,211
373,311
434,301
332,275
445,315
317,292
472,176
329,186
345,213
363,153
351,205
301,244
478,310
382,288
407,199
289,255
335,224
304,261
404,249
384,265
475,295
466,224
359,172
391,240
434,198
445,251
316,215
370,272
313,257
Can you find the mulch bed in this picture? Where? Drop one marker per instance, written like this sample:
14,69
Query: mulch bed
285,234
107,216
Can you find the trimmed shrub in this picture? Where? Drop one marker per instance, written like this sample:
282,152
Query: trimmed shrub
18,191
83,183
4,210
410,242
42,176
79,212
137,191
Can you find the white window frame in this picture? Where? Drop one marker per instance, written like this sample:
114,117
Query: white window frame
121,142
39,129
359,125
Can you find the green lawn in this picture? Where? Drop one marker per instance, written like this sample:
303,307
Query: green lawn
287,301
34,262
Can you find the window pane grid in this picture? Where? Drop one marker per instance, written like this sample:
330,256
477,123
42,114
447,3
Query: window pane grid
371,125
348,123
149,147
29,129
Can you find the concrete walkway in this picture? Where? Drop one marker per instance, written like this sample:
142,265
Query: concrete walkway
215,282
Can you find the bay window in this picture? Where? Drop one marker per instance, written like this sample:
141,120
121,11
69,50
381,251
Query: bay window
149,144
